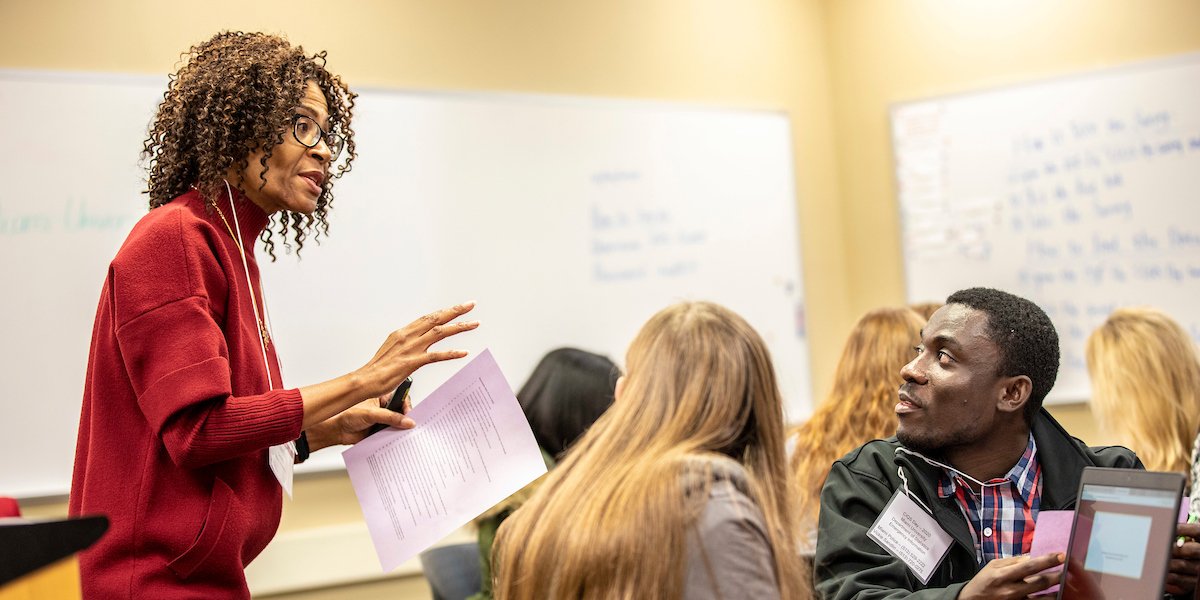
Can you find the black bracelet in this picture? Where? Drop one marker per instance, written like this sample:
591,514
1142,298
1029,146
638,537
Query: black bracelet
302,451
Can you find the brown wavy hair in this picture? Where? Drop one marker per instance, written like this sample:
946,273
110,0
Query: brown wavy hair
926,309
613,520
237,93
862,404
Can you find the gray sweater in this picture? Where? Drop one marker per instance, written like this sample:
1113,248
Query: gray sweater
729,554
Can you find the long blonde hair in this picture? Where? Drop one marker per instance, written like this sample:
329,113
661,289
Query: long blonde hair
861,406
1146,385
612,521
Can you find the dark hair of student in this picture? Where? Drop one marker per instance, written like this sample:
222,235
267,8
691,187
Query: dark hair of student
1026,338
567,391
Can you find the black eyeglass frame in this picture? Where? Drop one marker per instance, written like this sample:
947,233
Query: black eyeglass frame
334,141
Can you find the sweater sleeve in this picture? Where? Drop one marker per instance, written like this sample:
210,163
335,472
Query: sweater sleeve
730,556
176,356
849,565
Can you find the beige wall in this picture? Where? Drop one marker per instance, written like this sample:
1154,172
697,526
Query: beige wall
886,51
833,65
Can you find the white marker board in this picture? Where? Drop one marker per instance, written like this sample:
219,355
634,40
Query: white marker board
569,220
1080,193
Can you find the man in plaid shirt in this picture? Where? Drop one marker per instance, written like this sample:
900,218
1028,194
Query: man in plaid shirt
978,458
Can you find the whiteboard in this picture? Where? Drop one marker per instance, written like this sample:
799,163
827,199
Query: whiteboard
569,220
1081,194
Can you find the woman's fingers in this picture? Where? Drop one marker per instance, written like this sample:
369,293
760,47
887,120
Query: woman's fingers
407,349
438,318
442,355
355,423
430,329
441,332
372,415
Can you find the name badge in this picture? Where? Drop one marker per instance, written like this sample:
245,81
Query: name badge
910,534
282,459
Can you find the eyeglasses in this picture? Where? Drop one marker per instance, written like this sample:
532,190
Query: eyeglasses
309,134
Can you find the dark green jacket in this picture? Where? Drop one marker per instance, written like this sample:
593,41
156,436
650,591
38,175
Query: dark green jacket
848,564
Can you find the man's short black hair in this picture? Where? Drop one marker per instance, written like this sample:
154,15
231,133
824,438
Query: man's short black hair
1025,336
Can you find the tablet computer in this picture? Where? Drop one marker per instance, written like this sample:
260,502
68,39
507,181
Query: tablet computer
1121,536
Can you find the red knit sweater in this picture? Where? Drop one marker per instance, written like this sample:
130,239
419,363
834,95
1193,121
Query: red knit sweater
177,415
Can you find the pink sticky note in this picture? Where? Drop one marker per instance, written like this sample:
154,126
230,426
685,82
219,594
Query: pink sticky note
1051,534
1183,510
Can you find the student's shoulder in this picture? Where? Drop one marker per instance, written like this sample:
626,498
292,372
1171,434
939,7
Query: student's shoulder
872,465
1115,457
710,471
731,553
1054,440
726,482
731,512
873,456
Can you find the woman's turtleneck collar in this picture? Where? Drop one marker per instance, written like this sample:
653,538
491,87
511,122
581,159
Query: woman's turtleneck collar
251,218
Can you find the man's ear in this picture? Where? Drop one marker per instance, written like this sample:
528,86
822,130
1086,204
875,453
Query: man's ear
1015,394
620,388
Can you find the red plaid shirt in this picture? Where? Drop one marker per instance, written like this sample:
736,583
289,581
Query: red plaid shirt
1001,517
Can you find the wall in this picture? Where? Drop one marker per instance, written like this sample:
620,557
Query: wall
762,54
833,65
883,52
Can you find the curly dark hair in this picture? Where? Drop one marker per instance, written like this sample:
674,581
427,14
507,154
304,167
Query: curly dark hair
1026,338
234,94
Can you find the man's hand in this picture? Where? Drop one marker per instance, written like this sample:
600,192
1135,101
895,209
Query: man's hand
1079,584
1185,561
1012,578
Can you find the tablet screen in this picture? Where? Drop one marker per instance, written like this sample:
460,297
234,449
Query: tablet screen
1120,543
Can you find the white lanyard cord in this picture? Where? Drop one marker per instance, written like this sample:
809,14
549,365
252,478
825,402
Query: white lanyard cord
952,469
900,471
258,321
982,485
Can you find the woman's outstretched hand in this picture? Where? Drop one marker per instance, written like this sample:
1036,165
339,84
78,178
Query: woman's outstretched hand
407,349
403,352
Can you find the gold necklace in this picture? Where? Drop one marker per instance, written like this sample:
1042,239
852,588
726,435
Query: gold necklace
262,327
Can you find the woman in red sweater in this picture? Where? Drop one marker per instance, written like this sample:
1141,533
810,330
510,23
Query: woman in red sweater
186,431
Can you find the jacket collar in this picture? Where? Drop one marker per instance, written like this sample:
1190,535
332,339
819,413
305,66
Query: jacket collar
1062,463
1063,460
922,480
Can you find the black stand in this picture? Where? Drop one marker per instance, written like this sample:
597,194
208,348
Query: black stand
26,545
